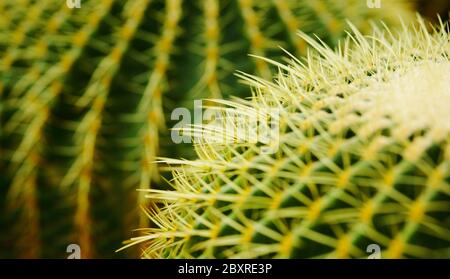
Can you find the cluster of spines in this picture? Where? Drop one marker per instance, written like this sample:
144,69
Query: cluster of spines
352,168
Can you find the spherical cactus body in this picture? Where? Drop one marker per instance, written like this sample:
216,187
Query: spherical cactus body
362,158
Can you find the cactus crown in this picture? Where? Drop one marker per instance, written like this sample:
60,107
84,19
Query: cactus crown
363,158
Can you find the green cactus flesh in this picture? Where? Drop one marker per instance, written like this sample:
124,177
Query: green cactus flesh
363,158
82,99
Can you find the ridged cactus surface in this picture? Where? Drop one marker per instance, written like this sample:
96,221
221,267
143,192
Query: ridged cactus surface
363,158
82,100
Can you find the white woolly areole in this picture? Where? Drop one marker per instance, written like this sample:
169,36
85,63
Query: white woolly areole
414,100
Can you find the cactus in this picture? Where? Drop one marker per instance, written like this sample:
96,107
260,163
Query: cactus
363,158
82,100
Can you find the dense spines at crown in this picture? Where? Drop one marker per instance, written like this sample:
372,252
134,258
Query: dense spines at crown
363,159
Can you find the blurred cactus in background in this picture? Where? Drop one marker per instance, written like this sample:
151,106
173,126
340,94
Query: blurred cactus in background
85,93
362,158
